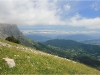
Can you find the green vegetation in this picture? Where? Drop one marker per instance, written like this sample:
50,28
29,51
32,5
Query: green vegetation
84,53
13,39
31,61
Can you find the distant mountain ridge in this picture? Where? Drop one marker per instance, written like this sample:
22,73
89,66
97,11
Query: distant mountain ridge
38,38
93,41
77,37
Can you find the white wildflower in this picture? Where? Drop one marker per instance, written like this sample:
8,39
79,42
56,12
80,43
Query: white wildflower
48,67
18,55
28,57
17,47
74,62
0,68
28,60
68,60
15,55
56,56
32,65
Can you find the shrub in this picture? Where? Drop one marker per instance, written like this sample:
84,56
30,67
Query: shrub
13,39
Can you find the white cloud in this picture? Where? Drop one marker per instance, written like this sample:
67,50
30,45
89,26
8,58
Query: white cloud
42,12
29,12
67,7
96,6
91,23
57,32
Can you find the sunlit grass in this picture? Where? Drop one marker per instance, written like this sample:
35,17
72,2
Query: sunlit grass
28,62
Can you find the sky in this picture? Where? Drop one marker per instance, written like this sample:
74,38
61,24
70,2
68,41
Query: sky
52,16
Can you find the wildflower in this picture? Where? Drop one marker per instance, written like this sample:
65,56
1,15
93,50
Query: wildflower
74,62
32,65
28,57
15,55
68,60
0,68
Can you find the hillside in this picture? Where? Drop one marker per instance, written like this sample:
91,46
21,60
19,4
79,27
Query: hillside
94,41
31,61
7,30
38,38
84,53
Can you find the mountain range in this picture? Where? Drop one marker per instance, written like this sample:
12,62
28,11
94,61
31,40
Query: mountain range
39,38
86,39
75,37
69,49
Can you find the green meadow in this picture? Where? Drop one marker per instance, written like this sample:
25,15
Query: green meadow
31,61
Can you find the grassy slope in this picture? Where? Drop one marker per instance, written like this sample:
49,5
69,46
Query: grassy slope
30,61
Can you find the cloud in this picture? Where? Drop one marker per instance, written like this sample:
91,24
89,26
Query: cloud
29,12
67,7
78,20
43,12
58,32
96,6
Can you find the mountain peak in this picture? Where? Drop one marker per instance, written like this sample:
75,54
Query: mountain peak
9,30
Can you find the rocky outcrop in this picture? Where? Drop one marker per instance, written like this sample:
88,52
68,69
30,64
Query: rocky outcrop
10,62
9,30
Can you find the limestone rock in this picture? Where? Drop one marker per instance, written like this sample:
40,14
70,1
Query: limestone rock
9,30
10,62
